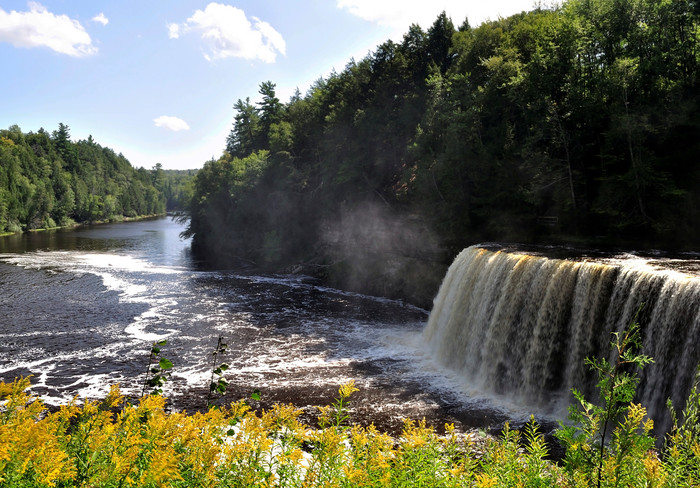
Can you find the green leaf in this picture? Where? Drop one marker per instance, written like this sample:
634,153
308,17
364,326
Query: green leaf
255,395
165,363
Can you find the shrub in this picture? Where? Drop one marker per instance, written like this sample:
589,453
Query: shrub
114,444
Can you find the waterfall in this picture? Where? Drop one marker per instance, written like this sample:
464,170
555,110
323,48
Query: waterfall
521,325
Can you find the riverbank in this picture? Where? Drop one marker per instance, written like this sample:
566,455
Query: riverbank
75,225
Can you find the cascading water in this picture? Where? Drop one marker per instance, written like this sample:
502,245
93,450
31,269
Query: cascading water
521,325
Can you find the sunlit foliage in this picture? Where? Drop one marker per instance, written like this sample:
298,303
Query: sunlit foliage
47,180
115,444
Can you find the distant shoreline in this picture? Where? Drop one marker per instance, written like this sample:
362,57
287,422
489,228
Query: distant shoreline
117,219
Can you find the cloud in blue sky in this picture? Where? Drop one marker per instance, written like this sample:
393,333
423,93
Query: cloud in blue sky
174,124
227,32
100,18
40,28
398,15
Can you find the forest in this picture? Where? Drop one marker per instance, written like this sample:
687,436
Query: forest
47,181
575,124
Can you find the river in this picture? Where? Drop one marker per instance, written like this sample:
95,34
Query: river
82,307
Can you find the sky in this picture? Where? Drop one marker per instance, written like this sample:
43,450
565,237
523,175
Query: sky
157,80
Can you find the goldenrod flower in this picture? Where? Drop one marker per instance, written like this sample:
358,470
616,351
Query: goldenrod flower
347,389
484,480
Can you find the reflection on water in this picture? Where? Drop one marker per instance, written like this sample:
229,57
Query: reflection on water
156,239
82,307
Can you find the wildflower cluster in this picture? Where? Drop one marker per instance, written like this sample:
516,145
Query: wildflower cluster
115,444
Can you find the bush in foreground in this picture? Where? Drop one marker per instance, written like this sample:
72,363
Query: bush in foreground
115,444
108,444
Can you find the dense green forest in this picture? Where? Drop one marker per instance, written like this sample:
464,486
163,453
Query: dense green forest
579,123
47,180
176,185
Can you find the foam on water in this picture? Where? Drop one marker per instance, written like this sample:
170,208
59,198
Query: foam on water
124,262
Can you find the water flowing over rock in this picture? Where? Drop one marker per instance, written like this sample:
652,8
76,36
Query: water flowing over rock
521,325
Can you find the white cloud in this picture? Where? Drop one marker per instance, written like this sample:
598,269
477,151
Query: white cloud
40,28
171,123
399,14
228,33
173,31
101,19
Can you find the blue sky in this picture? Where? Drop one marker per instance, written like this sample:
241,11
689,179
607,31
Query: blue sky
156,80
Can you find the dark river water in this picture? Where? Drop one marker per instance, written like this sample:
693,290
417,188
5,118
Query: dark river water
81,308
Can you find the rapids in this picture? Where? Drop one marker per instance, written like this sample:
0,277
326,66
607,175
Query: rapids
81,308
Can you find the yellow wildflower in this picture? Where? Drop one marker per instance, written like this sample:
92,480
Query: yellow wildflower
484,480
296,456
457,471
347,389
654,471
325,415
696,449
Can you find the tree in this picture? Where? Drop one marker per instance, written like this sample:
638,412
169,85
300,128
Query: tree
65,149
440,41
269,111
242,139
158,176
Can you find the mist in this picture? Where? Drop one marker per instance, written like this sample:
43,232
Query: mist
375,249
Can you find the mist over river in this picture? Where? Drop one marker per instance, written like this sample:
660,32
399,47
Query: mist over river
81,308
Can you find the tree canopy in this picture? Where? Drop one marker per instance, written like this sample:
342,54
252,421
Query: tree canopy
47,180
577,123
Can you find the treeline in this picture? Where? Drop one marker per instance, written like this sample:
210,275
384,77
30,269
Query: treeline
578,123
47,180
176,185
